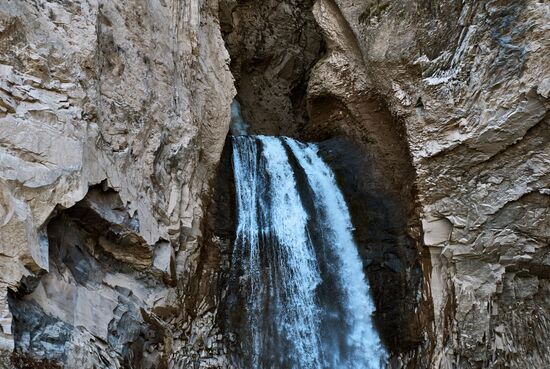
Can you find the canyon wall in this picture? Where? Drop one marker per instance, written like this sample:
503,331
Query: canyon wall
468,83
434,116
113,116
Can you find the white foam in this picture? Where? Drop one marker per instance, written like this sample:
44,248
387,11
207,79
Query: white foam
281,294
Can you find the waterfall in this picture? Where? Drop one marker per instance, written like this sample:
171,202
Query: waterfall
238,126
295,265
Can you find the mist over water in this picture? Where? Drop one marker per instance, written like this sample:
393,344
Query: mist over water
295,265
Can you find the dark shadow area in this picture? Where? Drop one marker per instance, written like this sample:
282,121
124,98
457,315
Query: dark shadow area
367,149
273,46
96,261
389,252
209,285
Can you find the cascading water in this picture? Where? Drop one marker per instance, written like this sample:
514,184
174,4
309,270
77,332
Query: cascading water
295,265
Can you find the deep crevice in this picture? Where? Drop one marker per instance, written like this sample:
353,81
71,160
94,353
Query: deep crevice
273,47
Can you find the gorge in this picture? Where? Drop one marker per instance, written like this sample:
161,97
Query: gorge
415,131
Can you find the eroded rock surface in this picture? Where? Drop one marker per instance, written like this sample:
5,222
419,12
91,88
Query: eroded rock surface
468,82
273,45
113,117
134,95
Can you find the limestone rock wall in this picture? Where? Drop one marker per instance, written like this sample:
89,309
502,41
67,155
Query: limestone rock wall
113,115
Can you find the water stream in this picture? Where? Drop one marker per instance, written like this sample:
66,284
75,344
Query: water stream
295,265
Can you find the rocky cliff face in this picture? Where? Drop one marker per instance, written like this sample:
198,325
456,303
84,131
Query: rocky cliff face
446,103
113,116
468,82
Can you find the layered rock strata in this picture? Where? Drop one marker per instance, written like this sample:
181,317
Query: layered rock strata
113,117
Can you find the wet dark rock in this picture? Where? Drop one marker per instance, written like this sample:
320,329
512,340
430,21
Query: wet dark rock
382,233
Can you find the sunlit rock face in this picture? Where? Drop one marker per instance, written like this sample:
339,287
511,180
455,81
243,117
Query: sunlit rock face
135,96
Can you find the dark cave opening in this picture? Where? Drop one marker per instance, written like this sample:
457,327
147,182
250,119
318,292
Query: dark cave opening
366,147
273,47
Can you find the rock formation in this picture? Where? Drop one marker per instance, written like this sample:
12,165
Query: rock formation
468,82
113,117
116,219
446,103
273,46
